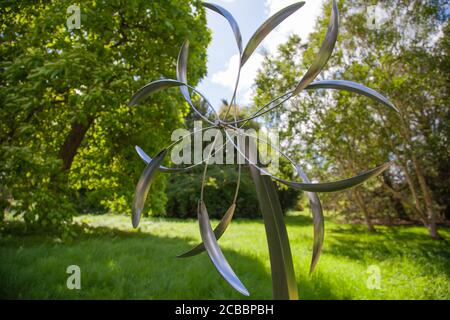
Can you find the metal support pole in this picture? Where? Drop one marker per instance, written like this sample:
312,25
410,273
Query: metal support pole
284,285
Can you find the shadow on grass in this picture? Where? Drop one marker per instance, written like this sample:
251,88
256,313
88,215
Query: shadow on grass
299,220
117,264
356,243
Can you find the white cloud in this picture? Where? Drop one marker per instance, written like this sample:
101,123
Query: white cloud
301,22
227,76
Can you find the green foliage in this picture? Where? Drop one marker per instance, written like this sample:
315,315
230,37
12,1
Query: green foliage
27,188
119,263
184,190
66,131
183,193
341,133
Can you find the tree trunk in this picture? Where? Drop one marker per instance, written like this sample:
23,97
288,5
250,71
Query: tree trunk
73,142
362,205
396,203
431,212
407,202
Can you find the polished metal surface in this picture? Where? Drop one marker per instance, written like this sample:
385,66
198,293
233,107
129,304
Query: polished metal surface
318,220
214,252
352,87
147,160
336,185
143,186
283,277
163,84
233,24
182,70
325,51
219,230
267,27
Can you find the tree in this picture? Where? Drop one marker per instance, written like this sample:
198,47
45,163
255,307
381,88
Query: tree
406,59
67,133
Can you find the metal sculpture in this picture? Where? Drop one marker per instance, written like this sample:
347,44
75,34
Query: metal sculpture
283,277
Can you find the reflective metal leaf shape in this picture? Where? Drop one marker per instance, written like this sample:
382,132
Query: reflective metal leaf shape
227,15
182,70
214,252
163,84
336,185
266,28
318,221
218,232
352,87
145,157
325,51
151,88
143,186
318,187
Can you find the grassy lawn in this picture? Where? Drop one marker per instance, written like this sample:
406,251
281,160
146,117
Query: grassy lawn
118,262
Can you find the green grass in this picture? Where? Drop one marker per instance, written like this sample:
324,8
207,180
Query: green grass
118,262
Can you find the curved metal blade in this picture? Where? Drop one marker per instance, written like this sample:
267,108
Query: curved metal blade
324,52
352,87
267,27
151,88
218,232
317,187
214,252
318,220
145,157
182,70
182,62
162,84
232,22
336,185
143,186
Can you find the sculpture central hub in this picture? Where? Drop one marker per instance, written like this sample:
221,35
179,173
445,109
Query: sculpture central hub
220,124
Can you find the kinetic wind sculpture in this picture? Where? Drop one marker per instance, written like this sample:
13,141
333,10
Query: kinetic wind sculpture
283,277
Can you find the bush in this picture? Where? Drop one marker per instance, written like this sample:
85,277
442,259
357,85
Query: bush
183,193
35,188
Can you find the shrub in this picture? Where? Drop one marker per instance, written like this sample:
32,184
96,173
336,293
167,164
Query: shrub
183,193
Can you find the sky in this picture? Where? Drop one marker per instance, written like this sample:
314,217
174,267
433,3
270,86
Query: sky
223,56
